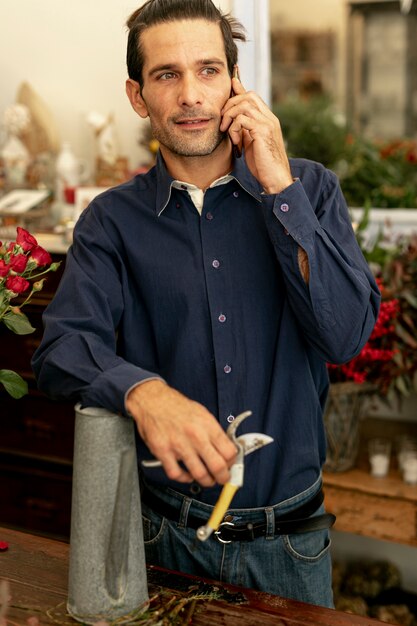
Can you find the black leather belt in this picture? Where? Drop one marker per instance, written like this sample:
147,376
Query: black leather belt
295,522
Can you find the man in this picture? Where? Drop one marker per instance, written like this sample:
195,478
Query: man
212,285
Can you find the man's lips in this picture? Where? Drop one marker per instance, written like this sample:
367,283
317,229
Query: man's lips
195,122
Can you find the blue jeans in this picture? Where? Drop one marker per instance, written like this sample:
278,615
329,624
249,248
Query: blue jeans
293,566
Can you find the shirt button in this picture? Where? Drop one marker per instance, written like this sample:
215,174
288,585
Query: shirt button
216,264
236,194
284,207
286,232
178,205
209,216
230,418
222,318
227,369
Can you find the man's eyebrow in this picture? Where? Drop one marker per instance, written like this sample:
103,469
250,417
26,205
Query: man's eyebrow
163,67
212,61
169,67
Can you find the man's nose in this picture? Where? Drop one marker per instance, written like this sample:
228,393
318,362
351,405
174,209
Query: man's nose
191,92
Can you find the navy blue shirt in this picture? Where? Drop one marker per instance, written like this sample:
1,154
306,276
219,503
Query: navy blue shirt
217,307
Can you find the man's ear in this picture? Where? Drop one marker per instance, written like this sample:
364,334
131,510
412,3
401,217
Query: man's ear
136,100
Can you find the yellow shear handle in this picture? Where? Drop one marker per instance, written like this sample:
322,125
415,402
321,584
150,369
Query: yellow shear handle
222,505
225,498
218,512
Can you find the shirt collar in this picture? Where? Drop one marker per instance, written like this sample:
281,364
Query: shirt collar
165,182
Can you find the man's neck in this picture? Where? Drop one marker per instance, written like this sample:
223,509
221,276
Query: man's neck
200,171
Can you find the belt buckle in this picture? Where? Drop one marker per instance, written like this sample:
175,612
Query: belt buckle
219,530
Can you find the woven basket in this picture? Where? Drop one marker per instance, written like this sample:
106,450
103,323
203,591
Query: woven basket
345,408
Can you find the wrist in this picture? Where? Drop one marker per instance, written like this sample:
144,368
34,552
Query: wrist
142,392
279,186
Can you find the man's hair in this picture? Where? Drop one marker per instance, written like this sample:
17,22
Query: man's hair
159,11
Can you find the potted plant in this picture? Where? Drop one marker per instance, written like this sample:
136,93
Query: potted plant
352,383
387,364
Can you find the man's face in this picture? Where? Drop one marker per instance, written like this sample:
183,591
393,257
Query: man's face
185,85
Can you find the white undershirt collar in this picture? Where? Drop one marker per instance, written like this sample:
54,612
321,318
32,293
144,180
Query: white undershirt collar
196,194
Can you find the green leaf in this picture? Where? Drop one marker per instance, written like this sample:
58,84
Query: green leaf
4,303
406,337
18,323
13,384
411,299
402,387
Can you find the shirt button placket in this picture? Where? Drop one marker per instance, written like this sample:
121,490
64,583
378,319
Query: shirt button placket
221,317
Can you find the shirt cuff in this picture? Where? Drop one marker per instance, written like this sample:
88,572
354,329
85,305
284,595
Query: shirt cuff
110,388
293,210
140,382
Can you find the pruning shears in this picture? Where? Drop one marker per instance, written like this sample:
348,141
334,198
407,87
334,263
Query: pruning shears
245,444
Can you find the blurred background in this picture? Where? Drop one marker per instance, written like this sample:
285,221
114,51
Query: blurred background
341,75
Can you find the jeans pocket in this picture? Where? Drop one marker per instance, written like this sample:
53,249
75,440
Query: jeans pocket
153,526
308,547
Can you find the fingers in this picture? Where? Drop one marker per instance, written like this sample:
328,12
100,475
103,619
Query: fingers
182,434
207,469
207,456
248,103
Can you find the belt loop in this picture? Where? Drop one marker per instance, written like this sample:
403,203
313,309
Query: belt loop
185,507
270,523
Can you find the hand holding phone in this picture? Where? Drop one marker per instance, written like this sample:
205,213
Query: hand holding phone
250,123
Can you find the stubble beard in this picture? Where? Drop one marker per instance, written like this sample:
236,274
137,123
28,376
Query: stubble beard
198,143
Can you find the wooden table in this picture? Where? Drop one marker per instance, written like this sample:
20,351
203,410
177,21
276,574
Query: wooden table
36,569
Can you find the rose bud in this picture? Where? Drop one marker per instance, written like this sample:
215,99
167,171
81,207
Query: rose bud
18,263
25,240
17,284
38,285
40,256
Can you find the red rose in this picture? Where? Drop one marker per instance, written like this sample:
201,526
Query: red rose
18,262
4,268
25,239
17,284
40,256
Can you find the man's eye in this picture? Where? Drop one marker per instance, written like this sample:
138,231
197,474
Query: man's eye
209,71
166,76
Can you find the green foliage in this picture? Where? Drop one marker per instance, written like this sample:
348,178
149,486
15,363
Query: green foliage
380,174
399,275
395,263
13,383
312,129
17,322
